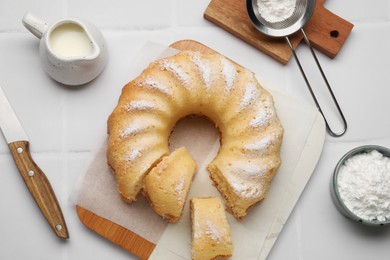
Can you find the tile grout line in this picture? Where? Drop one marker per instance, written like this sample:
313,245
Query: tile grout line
64,159
64,165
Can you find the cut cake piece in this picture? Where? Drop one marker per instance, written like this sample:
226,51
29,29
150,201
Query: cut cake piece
166,186
211,236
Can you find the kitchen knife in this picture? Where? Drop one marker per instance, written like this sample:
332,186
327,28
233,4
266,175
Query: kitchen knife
33,176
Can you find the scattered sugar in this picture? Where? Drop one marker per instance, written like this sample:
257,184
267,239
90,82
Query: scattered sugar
204,68
213,231
262,117
229,73
139,105
150,82
261,145
179,189
244,182
177,71
247,189
161,167
131,129
248,171
132,155
251,94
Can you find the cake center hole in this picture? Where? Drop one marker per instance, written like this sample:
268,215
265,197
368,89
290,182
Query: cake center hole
199,135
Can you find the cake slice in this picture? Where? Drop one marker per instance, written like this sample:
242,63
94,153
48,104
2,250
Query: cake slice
210,230
166,186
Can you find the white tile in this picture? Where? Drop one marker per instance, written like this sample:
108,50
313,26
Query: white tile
359,79
355,11
123,14
190,13
22,223
12,12
36,98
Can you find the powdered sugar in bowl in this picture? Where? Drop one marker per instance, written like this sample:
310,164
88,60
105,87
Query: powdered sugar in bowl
361,185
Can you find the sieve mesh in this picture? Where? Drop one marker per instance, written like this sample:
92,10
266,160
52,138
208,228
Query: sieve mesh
299,12
302,13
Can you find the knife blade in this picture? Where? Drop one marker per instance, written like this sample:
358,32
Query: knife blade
35,179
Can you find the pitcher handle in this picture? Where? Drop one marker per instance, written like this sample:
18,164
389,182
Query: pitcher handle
34,24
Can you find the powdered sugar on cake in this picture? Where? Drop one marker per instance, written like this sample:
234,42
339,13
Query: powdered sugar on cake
244,183
177,71
247,189
131,129
203,67
150,82
261,146
132,155
263,116
252,93
248,171
211,230
139,105
179,189
160,169
229,73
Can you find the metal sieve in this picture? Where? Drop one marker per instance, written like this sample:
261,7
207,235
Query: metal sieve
301,15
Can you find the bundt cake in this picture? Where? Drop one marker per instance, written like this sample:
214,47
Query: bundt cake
166,186
210,229
191,83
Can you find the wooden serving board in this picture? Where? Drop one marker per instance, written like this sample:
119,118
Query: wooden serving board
326,31
117,234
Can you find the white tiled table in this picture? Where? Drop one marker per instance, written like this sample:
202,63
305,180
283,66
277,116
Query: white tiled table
64,123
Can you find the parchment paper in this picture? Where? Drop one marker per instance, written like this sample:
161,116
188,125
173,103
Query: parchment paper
254,236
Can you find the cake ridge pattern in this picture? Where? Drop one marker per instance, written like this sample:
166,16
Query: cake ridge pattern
132,155
177,71
139,105
191,83
204,69
260,146
252,93
152,83
131,129
229,72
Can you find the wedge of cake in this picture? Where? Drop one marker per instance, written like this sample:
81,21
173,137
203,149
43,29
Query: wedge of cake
166,186
210,230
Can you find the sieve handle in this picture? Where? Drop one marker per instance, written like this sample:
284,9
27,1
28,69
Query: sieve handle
330,131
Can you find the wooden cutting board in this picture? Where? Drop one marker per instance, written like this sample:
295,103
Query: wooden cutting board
326,31
117,234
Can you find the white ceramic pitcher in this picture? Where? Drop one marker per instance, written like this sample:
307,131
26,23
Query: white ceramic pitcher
72,50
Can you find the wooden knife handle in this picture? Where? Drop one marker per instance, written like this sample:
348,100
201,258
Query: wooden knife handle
39,187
